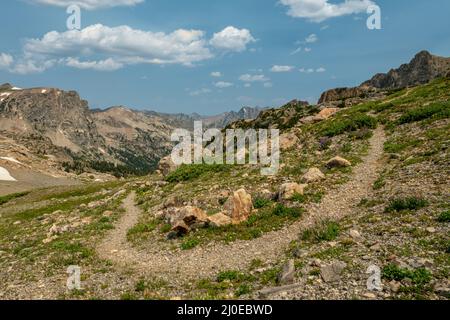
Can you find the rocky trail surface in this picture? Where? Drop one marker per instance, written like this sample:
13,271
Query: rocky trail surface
207,261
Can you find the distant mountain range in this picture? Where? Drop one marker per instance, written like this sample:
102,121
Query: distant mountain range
51,127
59,124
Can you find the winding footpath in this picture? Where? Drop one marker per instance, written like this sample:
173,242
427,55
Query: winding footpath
207,261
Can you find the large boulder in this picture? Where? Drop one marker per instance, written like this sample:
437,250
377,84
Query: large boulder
326,113
313,175
239,206
193,217
332,272
166,165
288,190
219,220
338,162
288,140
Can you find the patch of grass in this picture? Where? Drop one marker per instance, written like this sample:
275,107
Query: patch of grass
326,231
259,203
142,228
411,203
283,211
438,110
336,127
70,253
194,171
380,183
398,146
419,276
9,197
189,244
267,219
297,197
243,289
444,216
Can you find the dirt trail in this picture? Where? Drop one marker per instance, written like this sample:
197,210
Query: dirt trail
207,261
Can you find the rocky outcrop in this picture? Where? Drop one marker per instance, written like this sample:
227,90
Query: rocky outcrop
186,219
338,162
288,141
166,166
239,206
219,220
423,68
313,175
288,190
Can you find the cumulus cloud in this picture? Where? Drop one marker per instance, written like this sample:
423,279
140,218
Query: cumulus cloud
103,48
6,60
223,84
102,65
254,78
89,4
268,85
320,10
216,74
199,92
122,44
311,38
232,39
277,68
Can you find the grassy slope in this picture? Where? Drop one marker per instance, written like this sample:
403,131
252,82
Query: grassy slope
417,124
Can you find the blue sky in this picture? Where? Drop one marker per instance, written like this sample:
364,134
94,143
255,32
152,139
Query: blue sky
224,58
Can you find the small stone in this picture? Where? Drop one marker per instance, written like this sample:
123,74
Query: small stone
313,175
355,234
431,230
17,222
369,295
332,272
338,162
376,247
394,286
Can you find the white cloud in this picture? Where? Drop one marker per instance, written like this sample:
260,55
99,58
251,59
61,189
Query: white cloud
308,49
253,78
123,44
278,68
268,85
311,38
223,84
320,10
311,70
247,85
232,39
104,48
303,70
6,60
89,4
102,65
216,74
321,69
199,92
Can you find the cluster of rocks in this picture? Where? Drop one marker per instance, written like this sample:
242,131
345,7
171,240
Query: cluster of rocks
236,209
185,217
